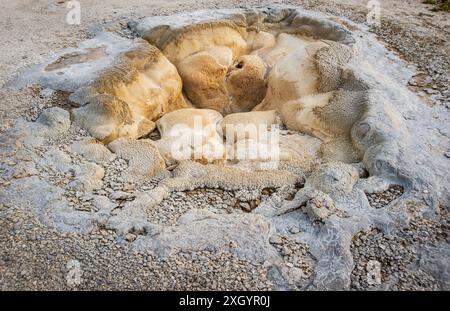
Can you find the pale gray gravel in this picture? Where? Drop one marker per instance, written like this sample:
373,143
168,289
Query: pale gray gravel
33,257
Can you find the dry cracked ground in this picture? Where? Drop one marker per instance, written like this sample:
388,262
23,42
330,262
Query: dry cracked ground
91,199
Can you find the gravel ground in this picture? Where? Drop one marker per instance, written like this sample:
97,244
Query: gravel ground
381,199
398,253
34,257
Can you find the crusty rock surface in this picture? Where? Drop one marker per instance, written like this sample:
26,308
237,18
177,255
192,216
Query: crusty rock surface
313,222
178,129
203,76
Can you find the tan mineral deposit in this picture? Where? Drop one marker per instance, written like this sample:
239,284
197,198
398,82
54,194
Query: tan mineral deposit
295,145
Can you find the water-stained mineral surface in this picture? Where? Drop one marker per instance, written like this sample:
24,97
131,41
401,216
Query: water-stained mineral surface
348,173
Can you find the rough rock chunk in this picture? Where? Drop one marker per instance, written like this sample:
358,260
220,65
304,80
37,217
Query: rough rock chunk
247,124
56,160
299,115
190,175
125,99
106,118
293,74
299,150
92,150
177,43
191,134
88,176
203,76
51,122
319,206
143,156
145,80
259,40
334,178
330,62
246,83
